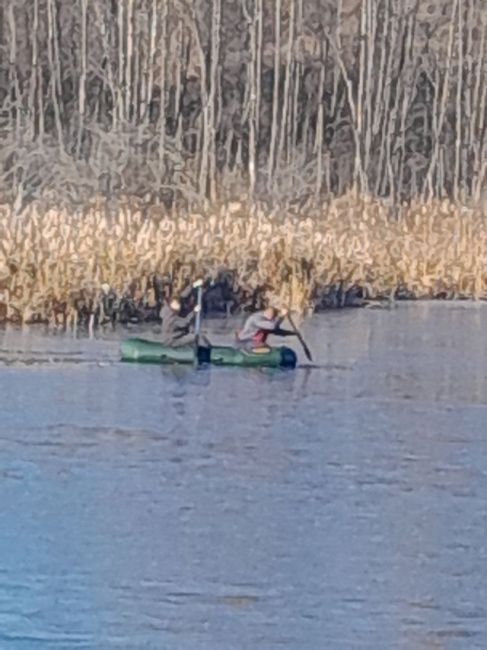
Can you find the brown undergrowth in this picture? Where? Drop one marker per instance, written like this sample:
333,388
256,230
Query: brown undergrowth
49,259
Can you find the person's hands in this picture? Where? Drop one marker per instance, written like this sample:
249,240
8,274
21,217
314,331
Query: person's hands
284,312
198,283
197,309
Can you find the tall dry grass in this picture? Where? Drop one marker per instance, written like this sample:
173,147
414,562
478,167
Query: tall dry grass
48,259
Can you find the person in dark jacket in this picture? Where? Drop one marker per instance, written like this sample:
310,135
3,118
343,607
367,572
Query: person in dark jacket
259,326
175,328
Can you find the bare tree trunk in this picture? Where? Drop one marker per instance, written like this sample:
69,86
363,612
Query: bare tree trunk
40,103
129,95
439,116
138,51
287,85
358,174
206,125
370,47
459,110
162,89
469,86
121,90
404,96
213,96
33,85
275,97
82,78
258,69
177,105
149,69
53,66
475,113
319,137
110,62
481,175
292,145
381,122
16,100
252,26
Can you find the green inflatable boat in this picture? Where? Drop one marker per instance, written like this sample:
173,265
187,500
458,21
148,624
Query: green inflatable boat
143,351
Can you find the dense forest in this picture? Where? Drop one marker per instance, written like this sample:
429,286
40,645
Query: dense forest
203,101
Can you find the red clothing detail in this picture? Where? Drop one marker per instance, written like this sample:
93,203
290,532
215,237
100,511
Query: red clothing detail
261,337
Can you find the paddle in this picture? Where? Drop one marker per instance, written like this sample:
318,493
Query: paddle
299,335
198,285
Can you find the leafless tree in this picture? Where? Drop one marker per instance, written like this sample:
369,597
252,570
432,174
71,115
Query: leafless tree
196,100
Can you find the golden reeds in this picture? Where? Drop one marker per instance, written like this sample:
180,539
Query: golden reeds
50,260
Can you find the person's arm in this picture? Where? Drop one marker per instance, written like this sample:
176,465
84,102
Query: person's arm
281,318
185,293
280,332
183,322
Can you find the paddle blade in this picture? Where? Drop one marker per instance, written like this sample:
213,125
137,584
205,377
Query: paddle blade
306,349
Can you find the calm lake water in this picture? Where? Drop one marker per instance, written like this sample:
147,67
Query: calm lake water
337,506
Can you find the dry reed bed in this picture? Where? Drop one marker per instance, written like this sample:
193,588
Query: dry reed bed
49,259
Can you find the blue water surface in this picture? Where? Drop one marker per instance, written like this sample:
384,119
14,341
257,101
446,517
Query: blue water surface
335,506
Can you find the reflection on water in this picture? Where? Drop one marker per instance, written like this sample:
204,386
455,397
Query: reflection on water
338,506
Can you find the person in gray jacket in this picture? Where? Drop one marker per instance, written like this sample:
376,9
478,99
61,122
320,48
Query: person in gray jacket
259,326
175,328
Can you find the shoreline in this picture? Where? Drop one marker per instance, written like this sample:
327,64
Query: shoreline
468,303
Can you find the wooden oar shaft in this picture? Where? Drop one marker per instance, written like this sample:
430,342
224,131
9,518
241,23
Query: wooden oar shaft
300,338
198,314
197,327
